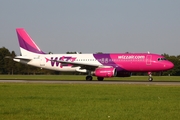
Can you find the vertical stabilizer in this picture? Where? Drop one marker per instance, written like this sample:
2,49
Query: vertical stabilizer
27,45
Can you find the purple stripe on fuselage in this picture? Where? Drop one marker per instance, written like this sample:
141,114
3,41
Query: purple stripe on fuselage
106,60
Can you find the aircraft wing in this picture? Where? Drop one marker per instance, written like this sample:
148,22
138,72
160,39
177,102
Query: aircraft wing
88,66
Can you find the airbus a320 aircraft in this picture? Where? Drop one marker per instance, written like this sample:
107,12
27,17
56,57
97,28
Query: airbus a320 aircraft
99,65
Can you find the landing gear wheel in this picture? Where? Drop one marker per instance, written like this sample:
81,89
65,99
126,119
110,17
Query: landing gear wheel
100,78
150,79
89,78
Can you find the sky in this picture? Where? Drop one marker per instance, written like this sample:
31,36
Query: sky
90,26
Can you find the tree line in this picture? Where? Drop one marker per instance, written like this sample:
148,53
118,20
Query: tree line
8,66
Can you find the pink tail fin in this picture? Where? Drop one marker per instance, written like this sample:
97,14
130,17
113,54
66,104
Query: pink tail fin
26,43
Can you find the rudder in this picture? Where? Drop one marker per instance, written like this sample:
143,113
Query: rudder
27,45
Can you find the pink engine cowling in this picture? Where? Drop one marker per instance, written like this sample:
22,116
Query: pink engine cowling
105,72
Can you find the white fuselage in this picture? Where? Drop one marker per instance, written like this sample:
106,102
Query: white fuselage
46,61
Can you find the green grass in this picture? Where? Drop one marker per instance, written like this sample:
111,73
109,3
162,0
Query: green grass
88,102
82,77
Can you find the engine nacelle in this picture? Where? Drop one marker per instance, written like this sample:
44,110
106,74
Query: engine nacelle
123,74
105,72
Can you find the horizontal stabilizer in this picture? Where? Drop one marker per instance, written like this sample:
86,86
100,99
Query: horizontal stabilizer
23,58
9,57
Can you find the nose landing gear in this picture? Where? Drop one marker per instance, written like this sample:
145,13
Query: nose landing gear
150,77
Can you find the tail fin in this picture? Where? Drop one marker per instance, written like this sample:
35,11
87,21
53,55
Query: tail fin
27,45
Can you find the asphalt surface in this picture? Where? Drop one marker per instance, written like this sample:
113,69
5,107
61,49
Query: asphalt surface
93,82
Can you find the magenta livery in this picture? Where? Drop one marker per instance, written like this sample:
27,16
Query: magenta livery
99,65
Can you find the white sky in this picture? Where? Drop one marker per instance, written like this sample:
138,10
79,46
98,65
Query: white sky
90,26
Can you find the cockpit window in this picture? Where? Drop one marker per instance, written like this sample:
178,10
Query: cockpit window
159,59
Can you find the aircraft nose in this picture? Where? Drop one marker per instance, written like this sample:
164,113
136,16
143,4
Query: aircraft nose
169,65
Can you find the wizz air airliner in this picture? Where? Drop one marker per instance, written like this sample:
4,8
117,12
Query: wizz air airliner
99,65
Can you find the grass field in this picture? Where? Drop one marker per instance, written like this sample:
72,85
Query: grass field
82,77
88,102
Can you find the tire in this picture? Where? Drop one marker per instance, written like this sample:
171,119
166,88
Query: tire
89,78
100,78
150,79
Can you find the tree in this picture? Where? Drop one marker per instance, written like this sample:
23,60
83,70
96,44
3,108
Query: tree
99,53
11,64
73,52
176,61
4,63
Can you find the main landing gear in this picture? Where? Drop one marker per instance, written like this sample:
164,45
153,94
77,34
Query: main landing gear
89,78
150,77
100,78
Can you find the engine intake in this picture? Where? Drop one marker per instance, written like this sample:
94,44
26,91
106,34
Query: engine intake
105,72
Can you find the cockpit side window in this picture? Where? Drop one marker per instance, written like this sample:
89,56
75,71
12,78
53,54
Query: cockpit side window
160,59
163,58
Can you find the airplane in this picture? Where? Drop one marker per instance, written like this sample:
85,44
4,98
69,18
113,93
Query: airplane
100,65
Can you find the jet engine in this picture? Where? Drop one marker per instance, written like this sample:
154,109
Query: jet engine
123,74
105,72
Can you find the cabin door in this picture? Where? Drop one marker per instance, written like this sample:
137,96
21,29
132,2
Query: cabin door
148,59
42,61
